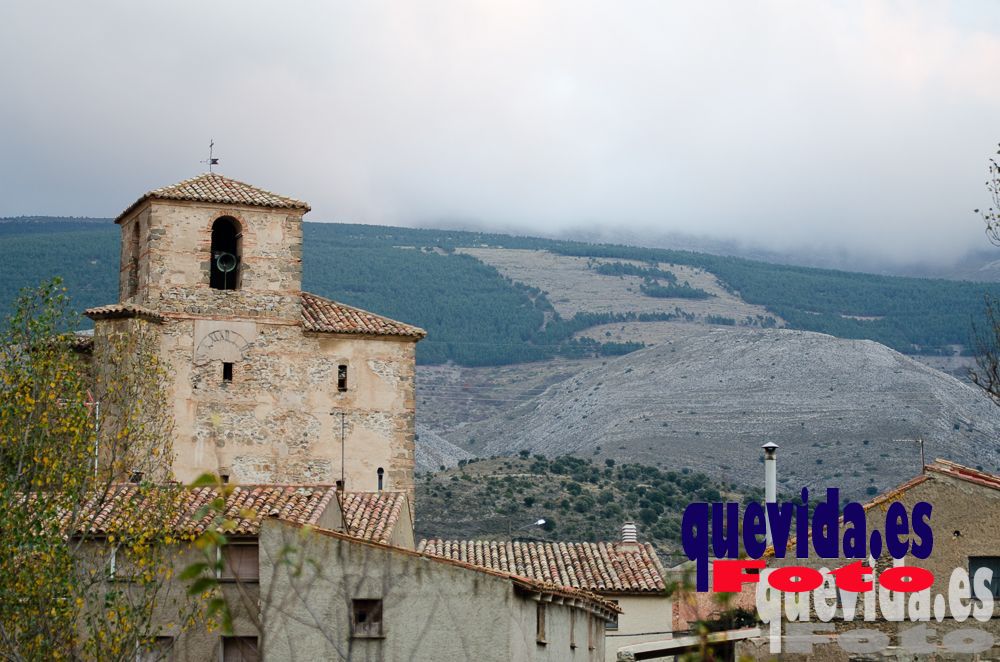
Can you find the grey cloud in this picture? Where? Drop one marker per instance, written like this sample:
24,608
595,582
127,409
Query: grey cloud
857,126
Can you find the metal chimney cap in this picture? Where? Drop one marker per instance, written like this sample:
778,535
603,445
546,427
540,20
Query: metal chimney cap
769,445
770,449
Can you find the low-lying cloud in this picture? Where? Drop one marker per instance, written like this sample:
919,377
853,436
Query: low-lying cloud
858,126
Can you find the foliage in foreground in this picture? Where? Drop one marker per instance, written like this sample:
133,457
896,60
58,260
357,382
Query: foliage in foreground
68,443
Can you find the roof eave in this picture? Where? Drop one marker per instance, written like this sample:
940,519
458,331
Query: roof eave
150,198
366,336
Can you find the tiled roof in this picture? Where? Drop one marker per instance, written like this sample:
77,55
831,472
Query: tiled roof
939,466
372,515
215,188
595,601
117,310
245,506
600,567
948,468
326,316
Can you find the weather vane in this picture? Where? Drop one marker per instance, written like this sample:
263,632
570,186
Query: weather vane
212,160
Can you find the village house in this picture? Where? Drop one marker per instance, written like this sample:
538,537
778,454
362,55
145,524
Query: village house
627,573
310,575
966,528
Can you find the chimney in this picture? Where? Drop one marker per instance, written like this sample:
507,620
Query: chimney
135,477
630,536
770,481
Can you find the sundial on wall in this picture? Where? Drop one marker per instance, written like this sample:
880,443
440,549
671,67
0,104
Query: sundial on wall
222,344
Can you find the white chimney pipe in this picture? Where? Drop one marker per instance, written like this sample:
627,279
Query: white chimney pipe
770,482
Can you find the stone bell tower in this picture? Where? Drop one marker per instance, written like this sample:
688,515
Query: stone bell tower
212,244
269,384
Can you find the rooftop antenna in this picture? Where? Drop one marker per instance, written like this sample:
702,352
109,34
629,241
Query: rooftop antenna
920,441
212,160
343,441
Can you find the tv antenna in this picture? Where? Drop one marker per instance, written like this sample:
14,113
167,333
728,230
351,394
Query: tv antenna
212,160
343,442
919,441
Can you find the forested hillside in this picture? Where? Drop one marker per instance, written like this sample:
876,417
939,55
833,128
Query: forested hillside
475,316
578,499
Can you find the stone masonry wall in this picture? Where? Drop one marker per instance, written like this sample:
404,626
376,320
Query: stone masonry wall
175,258
278,420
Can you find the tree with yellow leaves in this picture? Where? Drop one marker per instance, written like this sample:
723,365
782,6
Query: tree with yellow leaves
74,585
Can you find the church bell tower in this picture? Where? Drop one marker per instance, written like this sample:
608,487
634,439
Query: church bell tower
268,384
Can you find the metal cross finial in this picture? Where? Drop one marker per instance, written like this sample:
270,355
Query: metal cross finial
211,160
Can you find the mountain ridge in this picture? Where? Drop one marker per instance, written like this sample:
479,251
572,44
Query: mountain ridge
703,396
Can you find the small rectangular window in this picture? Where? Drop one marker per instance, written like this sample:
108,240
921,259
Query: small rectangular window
161,649
227,372
366,618
540,623
240,649
240,562
991,562
342,378
612,623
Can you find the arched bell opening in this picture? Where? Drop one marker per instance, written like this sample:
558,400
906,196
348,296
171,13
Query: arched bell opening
225,268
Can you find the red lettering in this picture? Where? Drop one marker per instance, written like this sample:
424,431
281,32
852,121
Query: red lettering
805,579
895,579
728,575
852,577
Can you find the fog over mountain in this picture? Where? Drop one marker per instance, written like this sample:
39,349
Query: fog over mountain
858,127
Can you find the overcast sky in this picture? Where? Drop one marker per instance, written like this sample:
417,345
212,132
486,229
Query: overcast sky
862,126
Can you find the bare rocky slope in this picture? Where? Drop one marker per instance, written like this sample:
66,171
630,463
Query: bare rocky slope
435,453
708,399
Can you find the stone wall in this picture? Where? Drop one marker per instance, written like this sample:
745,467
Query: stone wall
174,256
278,421
965,522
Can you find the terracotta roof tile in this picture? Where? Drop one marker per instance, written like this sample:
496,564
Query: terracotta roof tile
595,600
602,567
212,187
939,466
245,506
372,515
326,316
119,310
955,470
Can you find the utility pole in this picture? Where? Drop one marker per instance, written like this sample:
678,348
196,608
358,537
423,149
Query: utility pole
343,429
